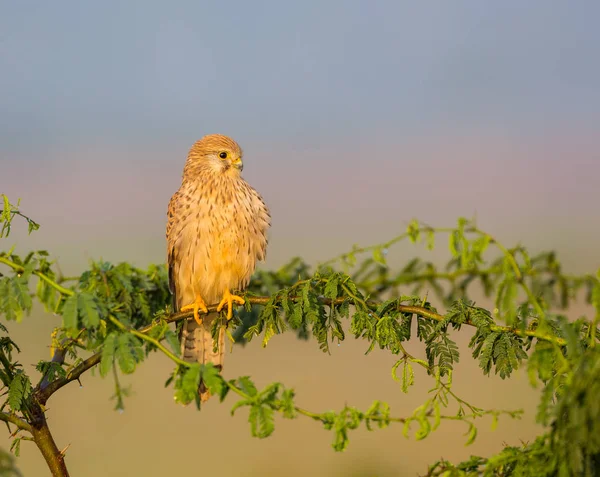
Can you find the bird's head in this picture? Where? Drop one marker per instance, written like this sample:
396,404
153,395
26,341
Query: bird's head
216,153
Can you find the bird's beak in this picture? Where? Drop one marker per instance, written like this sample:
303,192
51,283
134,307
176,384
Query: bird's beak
238,164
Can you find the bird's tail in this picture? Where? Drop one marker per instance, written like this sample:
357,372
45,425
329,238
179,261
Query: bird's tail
197,346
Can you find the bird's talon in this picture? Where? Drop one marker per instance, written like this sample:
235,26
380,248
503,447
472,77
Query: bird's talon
229,299
198,305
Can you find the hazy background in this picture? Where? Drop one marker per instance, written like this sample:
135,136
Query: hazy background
354,117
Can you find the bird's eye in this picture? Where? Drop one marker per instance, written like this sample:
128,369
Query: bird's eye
223,155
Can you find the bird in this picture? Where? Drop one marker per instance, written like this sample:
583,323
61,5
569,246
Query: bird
216,232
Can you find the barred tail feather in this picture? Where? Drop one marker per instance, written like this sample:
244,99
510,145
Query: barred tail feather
197,346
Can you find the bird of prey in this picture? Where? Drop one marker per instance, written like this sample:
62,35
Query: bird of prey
216,231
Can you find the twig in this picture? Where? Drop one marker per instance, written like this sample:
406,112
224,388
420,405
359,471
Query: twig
45,390
17,421
19,269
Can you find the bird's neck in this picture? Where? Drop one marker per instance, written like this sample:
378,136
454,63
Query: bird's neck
211,175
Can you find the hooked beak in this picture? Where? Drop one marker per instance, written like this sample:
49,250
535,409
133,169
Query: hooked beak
238,164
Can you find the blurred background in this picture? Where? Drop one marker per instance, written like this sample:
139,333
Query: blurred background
354,117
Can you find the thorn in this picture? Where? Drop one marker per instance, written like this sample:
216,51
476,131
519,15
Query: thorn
62,452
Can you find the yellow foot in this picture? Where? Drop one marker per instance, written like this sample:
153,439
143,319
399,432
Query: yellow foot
197,305
228,299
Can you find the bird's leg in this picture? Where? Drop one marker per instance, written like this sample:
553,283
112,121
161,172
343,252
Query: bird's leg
228,299
197,305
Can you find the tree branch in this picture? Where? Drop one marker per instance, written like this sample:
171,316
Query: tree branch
517,270
385,245
46,389
19,269
155,342
45,442
11,418
43,393
326,418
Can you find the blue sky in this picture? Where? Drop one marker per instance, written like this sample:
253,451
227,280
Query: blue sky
307,71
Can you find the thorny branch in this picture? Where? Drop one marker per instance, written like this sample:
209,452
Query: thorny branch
35,422
47,389
12,419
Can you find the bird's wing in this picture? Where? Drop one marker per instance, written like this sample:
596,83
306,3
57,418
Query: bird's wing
171,250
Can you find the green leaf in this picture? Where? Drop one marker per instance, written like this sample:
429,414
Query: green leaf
472,434
379,257
486,352
287,304
14,297
430,240
331,288
453,241
269,333
413,230
6,208
240,403
378,412
21,295
47,295
108,354
186,387
70,312
297,318
51,370
494,425
445,350
408,376
128,352
437,416
507,354
287,404
424,429
247,386
481,244
32,226
7,305
88,310
262,421
213,381
173,341
15,447
19,390
507,300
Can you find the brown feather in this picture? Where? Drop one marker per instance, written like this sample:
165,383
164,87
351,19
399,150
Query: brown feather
216,231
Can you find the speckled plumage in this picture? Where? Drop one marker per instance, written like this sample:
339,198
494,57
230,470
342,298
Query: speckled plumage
216,231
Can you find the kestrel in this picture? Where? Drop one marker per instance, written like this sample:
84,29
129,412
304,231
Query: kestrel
216,231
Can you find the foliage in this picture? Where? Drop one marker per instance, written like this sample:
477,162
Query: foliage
114,316
7,464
